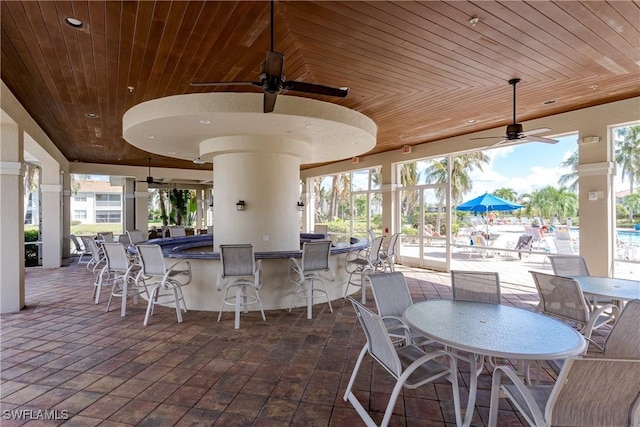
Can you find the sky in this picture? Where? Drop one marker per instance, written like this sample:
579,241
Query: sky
524,168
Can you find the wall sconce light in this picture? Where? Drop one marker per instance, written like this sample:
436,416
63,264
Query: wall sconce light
240,205
300,205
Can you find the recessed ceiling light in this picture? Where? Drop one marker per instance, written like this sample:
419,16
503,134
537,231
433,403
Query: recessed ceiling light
594,87
172,152
473,21
91,115
550,101
311,125
150,136
75,23
130,89
471,121
205,122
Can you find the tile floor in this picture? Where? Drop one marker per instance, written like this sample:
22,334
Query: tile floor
65,356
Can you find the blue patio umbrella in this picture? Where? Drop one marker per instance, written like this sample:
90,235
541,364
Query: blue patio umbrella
488,202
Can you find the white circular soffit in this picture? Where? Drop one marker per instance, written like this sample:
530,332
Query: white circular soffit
206,124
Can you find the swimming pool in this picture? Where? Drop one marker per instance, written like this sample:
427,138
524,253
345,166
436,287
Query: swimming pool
630,237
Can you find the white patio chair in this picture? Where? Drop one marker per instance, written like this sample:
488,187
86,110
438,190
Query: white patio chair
568,265
388,255
622,342
79,249
123,274
136,236
392,297
107,237
304,273
240,271
97,265
363,264
481,286
170,279
588,392
177,231
409,365
561,297
321,229
480,246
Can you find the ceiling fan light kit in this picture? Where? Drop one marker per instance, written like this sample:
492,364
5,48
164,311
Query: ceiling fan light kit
272,79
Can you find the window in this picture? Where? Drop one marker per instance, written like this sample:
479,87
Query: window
112,200
108,216
79,214
80,197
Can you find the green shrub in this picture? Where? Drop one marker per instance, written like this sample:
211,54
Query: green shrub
76,222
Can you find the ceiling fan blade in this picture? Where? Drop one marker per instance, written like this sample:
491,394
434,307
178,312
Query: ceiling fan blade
489,137
269,101
536,131
314,88
534,138
274,65
225,84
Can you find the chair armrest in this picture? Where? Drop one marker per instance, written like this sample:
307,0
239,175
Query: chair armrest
595,316
180,267
296,274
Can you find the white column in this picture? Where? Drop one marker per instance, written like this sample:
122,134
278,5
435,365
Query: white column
12,297
268,183
142,206
51,190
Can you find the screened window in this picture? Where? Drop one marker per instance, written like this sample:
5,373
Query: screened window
108,216
79,214
107,200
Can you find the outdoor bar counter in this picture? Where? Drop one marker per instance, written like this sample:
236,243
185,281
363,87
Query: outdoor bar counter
276,291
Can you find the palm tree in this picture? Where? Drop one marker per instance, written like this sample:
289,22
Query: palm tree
461,182
632,202
506,193
570,178
628,156
550,201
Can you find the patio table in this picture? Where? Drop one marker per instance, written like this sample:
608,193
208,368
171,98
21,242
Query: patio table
493,330
609,287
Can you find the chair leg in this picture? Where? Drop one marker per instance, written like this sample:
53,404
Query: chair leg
152,298
224,298
239,296
327,295
176,298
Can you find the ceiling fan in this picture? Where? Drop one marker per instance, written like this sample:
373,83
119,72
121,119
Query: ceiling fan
515,132
150,179
272,80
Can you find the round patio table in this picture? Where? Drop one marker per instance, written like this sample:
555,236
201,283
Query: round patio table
494,330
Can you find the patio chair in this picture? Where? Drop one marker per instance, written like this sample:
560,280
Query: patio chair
561,297
481,286
480,246
588,392
239,271
123,275
315,261
79,249
622,342
392,297
388,255
171,279
320,229
409,365
568,265
177,231
107,236
524,244
363,264
575,265
136,236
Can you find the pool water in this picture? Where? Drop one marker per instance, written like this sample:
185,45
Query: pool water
627,236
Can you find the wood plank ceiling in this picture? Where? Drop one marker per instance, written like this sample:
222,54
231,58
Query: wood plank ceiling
420,70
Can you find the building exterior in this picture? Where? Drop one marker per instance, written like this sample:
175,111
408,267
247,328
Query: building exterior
96,202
